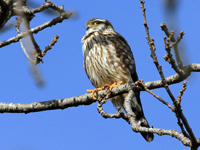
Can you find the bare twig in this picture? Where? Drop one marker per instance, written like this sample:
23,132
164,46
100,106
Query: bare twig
153,55
178,110
137,128
168,57
26,14
181,92
35,30
117,115
176,78
21,43
48,5
103,100
35,71
194,142
181,116
49,47
140,83
178,39
165,29
182,128
37,55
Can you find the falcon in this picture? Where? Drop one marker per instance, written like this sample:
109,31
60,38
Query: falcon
108,60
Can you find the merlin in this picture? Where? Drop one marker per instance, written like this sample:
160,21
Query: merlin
108,59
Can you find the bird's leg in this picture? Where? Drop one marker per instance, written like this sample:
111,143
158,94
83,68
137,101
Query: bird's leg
107,86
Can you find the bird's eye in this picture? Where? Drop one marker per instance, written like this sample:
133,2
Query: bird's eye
96,23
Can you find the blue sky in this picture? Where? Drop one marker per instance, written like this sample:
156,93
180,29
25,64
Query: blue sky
82,127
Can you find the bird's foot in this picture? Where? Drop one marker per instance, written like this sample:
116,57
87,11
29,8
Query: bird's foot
95,90
110,87
107,86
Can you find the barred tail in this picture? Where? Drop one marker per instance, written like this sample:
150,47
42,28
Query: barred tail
136,107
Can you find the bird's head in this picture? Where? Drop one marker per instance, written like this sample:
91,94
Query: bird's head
95,24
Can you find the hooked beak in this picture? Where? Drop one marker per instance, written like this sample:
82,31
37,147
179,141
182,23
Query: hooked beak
88,26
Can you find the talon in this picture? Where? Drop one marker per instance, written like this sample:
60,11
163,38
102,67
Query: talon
119,83
114,84
89,91
107,86
95,90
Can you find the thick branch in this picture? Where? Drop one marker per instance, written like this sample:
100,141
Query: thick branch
87,98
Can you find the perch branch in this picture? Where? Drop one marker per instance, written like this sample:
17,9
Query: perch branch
87,98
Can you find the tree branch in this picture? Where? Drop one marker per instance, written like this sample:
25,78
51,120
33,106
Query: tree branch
152,47
140,83
168,57
165,29
137,128
178,110
87,98
35,30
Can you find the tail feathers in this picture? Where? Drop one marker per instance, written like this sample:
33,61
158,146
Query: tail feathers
136,107
147,136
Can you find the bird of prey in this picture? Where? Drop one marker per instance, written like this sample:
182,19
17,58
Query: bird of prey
108,59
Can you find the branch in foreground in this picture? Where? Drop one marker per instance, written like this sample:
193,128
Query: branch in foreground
137,128
106,115
87,98
117,115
